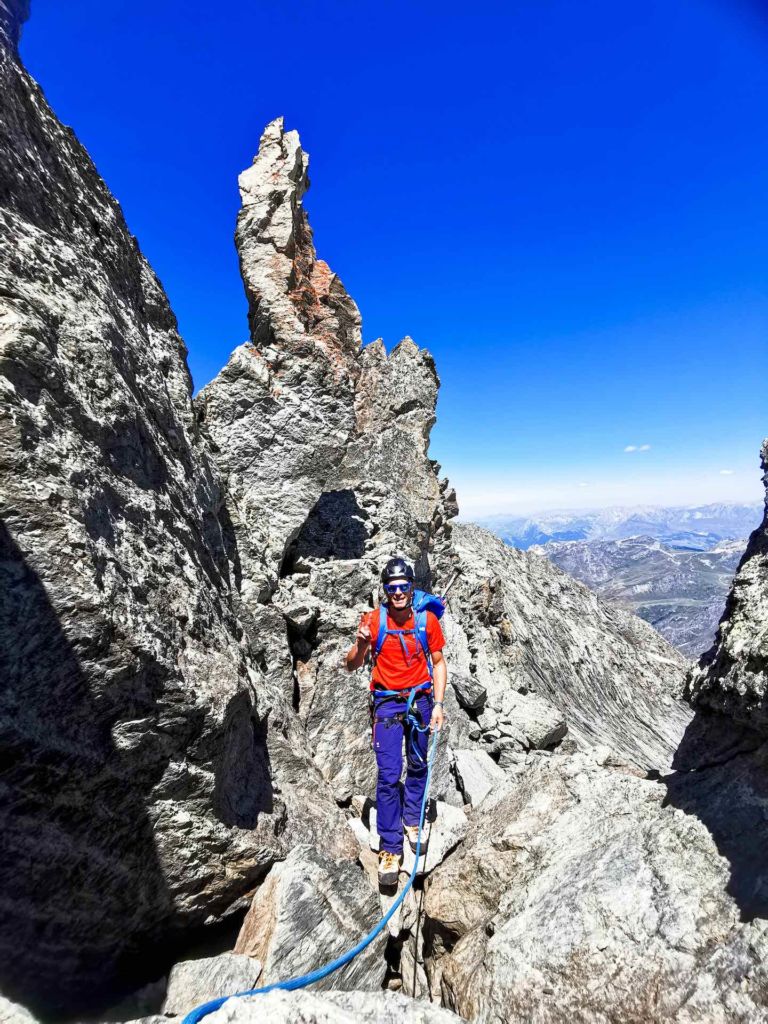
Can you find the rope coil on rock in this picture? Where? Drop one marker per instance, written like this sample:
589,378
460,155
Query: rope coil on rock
322,972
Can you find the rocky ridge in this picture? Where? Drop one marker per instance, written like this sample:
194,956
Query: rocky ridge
206,727
534,629
732,677
586,892
679,591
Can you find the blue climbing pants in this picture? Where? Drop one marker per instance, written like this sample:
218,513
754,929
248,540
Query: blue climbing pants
396,804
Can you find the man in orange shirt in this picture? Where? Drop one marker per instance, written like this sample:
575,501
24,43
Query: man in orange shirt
401,670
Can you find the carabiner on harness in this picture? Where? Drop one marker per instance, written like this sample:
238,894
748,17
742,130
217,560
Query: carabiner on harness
410,716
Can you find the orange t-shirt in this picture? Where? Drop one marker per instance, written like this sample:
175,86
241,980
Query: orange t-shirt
393,669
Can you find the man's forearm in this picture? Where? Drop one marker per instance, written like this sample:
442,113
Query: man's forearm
439,680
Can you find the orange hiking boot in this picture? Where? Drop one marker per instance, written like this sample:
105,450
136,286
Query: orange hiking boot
389,867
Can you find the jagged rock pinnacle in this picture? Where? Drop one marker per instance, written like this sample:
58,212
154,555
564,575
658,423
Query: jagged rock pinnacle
293,297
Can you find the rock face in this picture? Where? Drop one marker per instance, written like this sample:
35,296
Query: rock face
136,795
530,628
732,677
281,412
323,447
308,912
13,14
180,582
331,1008
585,894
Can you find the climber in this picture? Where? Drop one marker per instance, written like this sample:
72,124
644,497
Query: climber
402,685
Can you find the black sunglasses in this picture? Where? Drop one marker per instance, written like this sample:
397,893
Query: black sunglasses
397,588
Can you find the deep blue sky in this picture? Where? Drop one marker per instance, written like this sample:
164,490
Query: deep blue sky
565,202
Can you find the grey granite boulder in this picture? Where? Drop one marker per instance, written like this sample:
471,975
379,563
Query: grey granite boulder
193,982
469,693
309,1007
584,893
540,723
477,775
310,910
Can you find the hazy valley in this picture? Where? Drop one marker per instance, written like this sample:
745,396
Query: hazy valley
671,566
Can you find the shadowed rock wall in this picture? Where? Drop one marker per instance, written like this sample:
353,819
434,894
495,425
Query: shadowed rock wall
134,759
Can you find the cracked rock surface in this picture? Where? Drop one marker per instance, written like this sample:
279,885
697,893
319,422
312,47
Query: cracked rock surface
308,912
332,1008
137,796
588,894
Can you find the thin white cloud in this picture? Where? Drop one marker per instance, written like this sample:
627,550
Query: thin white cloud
637,448
631,448
726,472
583,483
644,448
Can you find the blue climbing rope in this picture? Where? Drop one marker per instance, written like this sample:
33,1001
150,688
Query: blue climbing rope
322,972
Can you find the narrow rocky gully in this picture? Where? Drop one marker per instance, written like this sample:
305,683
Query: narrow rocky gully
187,773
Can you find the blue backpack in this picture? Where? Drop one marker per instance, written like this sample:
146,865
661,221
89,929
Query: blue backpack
421,604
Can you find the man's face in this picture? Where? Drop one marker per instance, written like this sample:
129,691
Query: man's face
398,593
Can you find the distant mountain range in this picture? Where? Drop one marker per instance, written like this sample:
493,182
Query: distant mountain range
670,566
696,527
681,593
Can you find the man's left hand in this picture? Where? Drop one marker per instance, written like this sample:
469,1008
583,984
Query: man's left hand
438,718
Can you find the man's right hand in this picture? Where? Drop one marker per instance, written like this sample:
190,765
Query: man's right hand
356,654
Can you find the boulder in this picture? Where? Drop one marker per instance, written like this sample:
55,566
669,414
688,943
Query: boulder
309,910
477,775
310,1007
192,982
537,719
584,893
469,693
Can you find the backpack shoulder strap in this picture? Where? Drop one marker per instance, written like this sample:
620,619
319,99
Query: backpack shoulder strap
382,634
420,620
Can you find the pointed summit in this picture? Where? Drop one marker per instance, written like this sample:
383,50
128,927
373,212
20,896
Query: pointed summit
292,296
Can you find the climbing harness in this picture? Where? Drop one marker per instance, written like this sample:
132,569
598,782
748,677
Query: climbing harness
322,972
410,717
